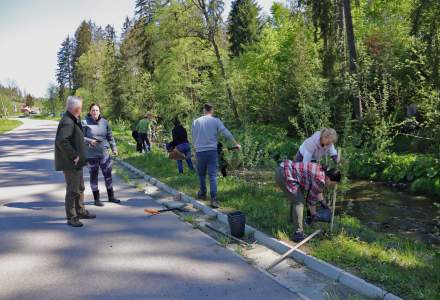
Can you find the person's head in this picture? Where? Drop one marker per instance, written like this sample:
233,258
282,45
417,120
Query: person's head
332,176
328,136
95,111
148,115
208,109
74,105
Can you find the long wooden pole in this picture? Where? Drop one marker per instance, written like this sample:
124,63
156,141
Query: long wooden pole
334,195
285,255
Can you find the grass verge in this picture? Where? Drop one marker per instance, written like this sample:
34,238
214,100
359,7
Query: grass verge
7,125
406,268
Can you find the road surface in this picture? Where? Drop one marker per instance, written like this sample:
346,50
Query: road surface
119,255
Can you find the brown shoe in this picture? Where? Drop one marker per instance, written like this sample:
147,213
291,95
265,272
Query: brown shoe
87,216
74,222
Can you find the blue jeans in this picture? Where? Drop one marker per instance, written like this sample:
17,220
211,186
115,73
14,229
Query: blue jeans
185,149
207,161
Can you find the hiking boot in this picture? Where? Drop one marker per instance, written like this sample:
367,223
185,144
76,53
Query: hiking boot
214,203
87,215
298,236
111,196
96,198
74,222
201,196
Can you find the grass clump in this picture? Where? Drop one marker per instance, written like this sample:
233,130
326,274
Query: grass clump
7,125
406,268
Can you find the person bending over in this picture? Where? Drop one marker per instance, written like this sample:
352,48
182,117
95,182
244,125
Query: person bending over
299,179
319,144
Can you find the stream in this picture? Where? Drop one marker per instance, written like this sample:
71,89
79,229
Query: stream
389,210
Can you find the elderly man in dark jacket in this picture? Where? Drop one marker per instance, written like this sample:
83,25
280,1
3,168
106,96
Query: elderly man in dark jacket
70,157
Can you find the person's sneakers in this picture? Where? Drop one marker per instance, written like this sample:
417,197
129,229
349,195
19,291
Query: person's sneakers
111,196
87,215
214,203
298,236
201,196
96,198
74,222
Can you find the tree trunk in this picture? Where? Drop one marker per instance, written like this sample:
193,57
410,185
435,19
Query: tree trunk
228,86
211,37
357,105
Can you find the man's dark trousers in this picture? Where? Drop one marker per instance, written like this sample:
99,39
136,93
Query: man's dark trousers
74,193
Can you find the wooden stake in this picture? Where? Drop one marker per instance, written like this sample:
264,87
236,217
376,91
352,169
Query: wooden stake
285,255
334,195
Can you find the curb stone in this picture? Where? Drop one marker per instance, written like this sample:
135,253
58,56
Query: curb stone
311,262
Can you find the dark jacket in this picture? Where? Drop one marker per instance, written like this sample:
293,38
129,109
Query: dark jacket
100,131
179,136
69,144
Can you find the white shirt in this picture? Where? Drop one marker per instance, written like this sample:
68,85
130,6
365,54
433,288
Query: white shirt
311,148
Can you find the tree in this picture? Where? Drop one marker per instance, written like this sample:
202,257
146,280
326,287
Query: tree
211,11
110,34
64,67
357,104
426,26
29,100
83,39
126,27
145,9
243,25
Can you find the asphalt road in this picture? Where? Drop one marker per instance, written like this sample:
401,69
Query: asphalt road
120,255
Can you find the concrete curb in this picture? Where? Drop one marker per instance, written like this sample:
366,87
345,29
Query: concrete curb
322,267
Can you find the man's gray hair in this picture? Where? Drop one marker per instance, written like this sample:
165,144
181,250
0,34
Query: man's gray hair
73,102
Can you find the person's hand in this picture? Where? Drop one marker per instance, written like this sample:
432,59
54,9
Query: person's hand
115,152
93,143
76,160
238,146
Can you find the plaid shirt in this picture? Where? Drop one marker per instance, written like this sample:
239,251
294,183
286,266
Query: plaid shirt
308,176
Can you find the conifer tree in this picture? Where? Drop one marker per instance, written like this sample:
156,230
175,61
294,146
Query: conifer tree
243,25
83,39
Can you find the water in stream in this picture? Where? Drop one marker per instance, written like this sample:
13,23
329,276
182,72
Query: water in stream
389,210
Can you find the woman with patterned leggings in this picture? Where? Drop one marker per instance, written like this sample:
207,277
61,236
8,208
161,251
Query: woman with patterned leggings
99,139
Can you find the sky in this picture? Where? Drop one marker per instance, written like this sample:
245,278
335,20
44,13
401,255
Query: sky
31,32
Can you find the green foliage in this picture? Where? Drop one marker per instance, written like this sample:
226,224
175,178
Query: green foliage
243,25
83,39
406,268
7,125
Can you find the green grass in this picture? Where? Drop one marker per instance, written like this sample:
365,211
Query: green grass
46,117
7,125
406,268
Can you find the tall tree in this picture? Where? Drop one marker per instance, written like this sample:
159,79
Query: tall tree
426,26
83,39
243,25
145,9
110,34
64,66
211,11
126,27
351,43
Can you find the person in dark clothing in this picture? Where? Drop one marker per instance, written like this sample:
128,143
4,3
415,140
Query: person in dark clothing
99,139
70,157
135,135
223,164
144,131
180,142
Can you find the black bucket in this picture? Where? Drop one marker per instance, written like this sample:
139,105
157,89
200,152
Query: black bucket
237,222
